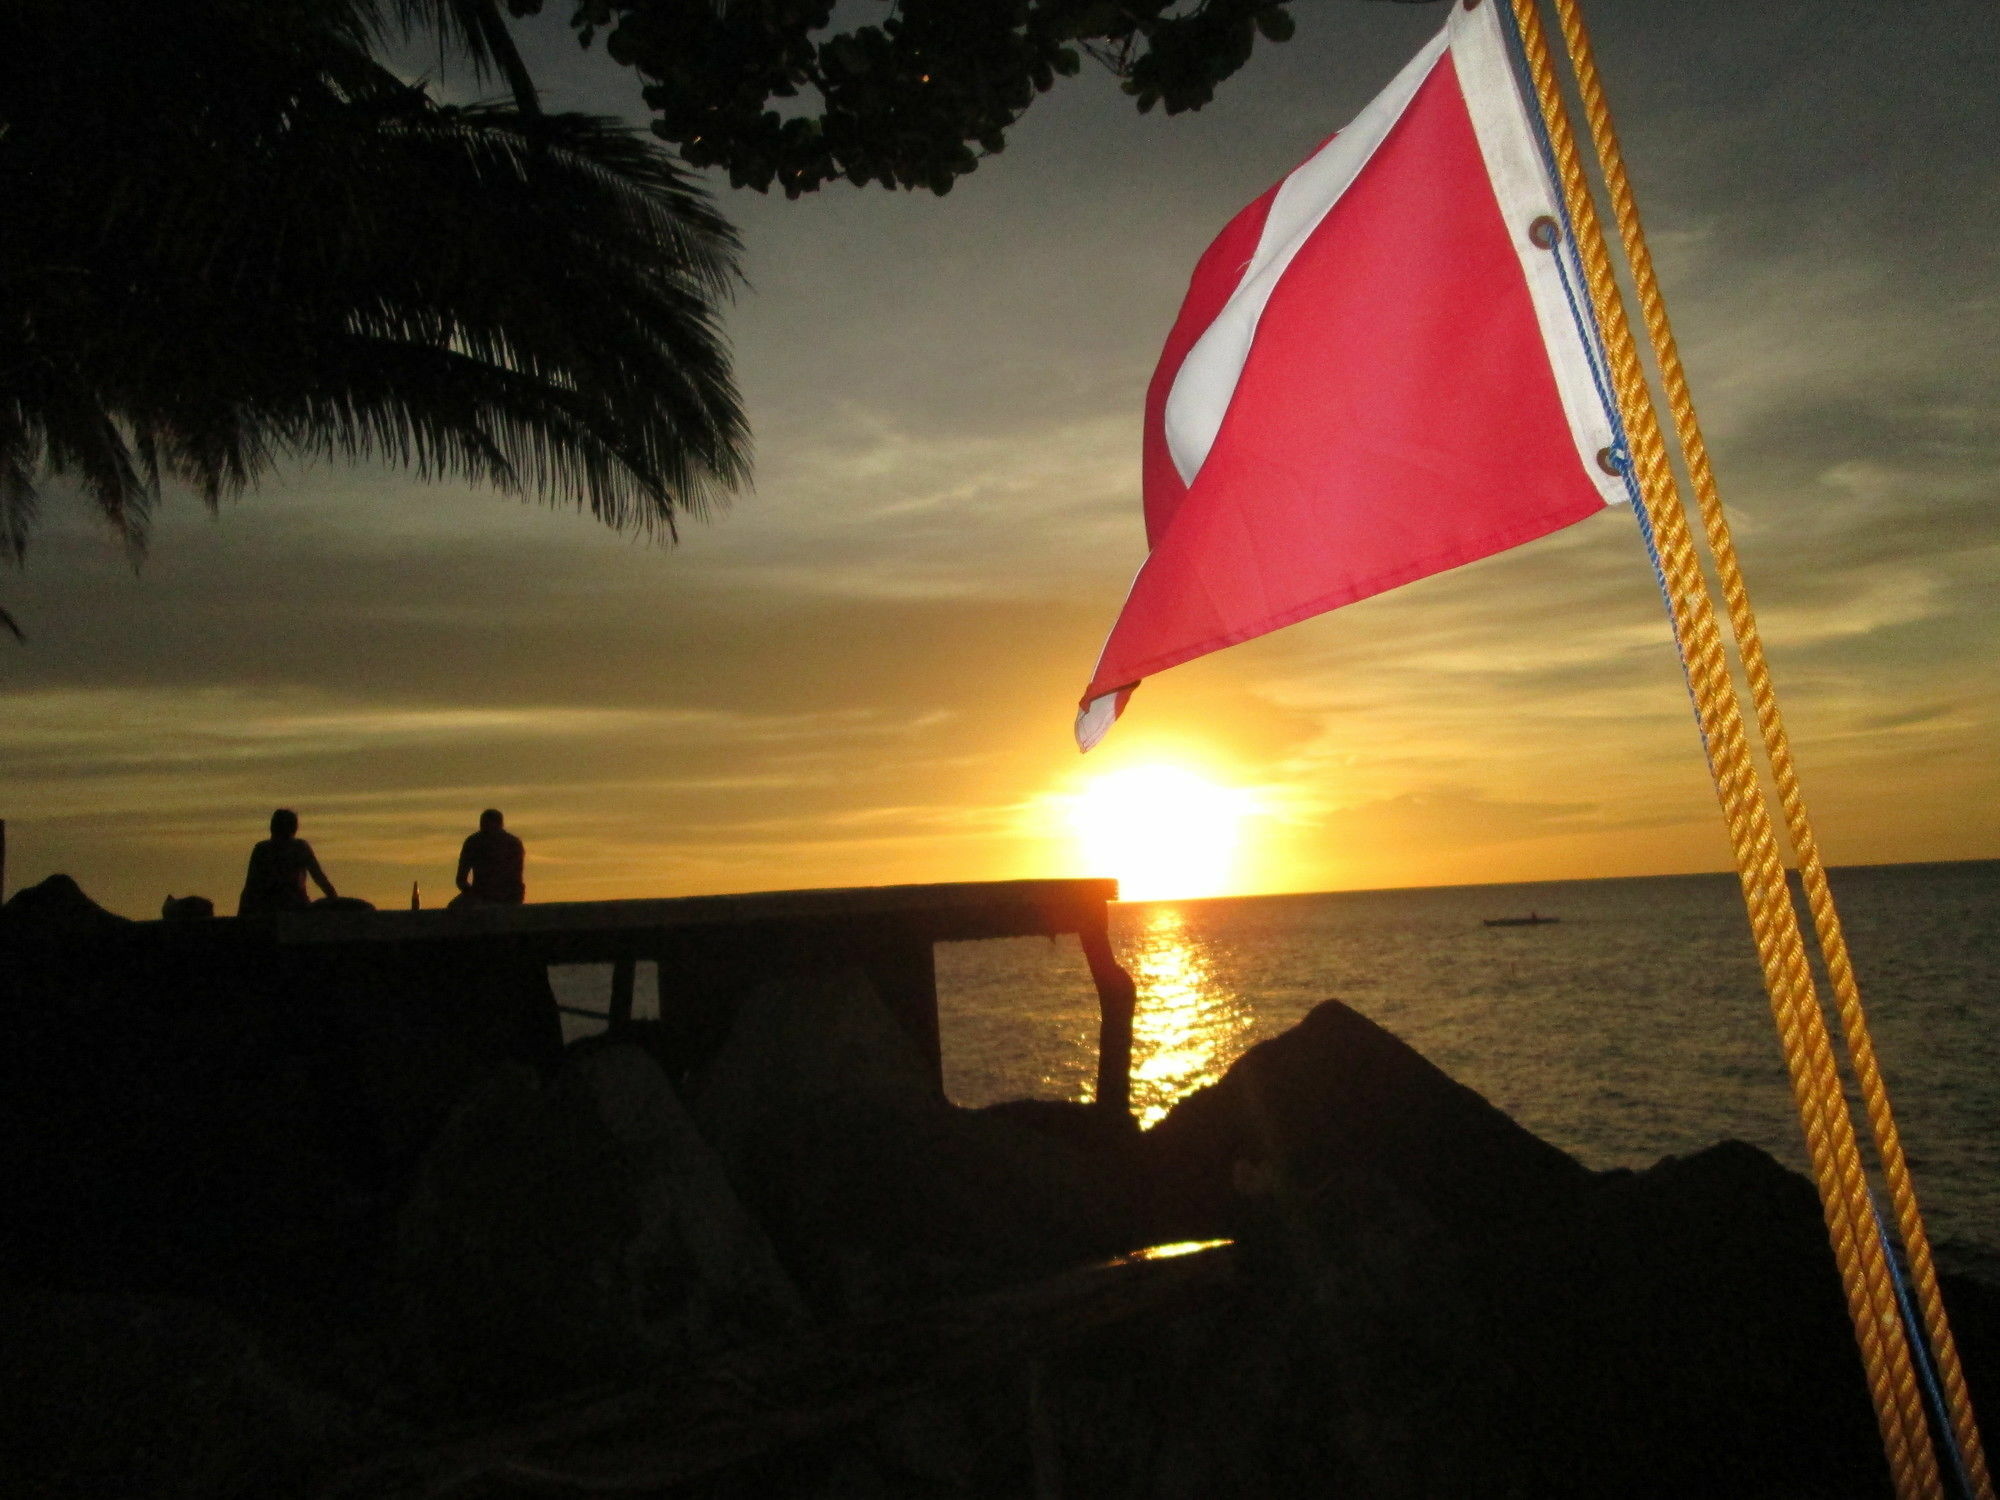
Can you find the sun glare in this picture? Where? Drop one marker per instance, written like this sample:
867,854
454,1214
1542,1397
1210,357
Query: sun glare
1163,832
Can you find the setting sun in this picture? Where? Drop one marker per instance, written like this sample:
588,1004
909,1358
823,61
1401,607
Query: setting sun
1161,831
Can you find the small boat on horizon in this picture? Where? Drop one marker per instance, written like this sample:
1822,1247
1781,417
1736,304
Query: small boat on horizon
1532,919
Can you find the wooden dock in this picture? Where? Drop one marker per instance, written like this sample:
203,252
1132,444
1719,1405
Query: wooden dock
708,949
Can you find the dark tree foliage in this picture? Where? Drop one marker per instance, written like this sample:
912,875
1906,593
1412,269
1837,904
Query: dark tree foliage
229,235
478,32
766,90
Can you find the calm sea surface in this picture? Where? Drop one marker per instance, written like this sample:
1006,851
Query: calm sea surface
1634,1028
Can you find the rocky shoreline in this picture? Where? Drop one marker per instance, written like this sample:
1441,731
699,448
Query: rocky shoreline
356,1228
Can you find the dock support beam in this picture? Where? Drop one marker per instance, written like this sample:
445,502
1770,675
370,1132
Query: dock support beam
623,969
1117,1000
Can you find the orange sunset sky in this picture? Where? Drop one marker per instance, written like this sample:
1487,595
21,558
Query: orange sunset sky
864,670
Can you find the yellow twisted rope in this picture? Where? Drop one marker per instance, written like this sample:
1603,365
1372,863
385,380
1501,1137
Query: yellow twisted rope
1777,744
1829,1130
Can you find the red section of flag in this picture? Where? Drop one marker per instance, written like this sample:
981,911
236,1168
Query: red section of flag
1396,414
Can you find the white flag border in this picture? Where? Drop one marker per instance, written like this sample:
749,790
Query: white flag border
1509,142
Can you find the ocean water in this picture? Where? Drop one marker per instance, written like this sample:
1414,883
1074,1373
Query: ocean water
1636,1027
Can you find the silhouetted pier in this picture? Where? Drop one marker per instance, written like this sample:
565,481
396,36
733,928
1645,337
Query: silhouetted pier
708,949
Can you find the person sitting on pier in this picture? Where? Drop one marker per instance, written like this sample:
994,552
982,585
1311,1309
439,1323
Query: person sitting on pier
490,865
279,865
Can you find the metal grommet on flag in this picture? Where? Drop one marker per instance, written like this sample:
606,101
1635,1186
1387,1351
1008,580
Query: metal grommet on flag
1545,234
1471,4
1611,461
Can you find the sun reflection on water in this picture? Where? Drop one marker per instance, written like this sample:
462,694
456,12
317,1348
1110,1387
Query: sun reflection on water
1189,1026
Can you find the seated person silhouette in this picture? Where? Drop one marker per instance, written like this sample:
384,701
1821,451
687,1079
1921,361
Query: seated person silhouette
279,865
490,865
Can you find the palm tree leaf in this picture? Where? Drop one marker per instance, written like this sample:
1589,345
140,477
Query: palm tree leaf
302,255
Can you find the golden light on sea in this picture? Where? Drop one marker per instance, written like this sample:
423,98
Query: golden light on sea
1163,831
1189,1026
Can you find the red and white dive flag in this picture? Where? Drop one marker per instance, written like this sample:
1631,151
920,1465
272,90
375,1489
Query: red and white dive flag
1384,368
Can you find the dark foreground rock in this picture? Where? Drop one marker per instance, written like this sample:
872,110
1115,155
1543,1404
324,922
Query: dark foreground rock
1337,1104
57,906
555,1238
109,1395
877,1190
357,1229
231,1123
1493,1319
1674,1313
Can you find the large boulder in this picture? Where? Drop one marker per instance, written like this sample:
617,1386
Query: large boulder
876,1189
1480,1314
1679,1331
119,1395
562,1235
1339,1103
195,1109
191,1154
799,1039
407,1029
58,906
689,1217
1683,1330
53,943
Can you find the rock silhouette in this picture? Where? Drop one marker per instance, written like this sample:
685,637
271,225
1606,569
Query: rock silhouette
57,906
1337,1098
876,1189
